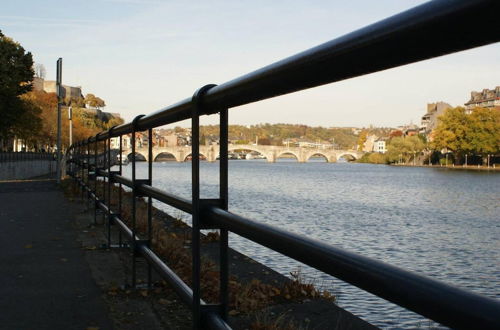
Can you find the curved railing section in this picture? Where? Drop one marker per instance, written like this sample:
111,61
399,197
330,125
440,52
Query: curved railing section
430,30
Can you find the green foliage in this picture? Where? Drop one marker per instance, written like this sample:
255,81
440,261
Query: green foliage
28,122
444,162
474,133
94,101
373,158
78,102
16,75
274,134
404,148
484,131
452,131
362,139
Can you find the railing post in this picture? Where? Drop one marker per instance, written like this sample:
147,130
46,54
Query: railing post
109,189
150,201
103,167
120,192
224,197
95,180
134,200
83,163
88,172
195,187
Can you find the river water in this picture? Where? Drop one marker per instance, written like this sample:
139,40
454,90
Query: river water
441,223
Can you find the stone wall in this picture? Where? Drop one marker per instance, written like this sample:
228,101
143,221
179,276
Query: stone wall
26,169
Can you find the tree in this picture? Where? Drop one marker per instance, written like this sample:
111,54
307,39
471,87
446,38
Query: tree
29,123
484,131
405,148
475,133
94,101
47,103
362,139
16,76
452,132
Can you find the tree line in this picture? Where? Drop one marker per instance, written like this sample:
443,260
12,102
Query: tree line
278,134
31,115
459,133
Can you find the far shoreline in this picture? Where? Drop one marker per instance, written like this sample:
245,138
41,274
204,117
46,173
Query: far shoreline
455,167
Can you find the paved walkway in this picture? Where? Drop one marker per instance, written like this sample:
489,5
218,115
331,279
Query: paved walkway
45,282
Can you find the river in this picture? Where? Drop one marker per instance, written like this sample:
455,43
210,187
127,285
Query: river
437,222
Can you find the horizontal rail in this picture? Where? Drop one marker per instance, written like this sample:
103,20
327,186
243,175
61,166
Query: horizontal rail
181,288
431,298
433,29
147,190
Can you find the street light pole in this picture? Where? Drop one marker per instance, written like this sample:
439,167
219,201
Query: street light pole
59,119
70,117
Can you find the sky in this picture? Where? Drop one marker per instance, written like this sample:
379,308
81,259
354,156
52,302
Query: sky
143,55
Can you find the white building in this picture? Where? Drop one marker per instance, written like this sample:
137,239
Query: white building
380,145
115,142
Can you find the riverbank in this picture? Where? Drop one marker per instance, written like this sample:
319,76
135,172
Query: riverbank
456,167
260,297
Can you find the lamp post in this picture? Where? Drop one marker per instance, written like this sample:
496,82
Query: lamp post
70,117
59,119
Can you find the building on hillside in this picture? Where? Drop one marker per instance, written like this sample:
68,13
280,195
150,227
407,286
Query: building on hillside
304,143
488,98
171,140
368,146
409,130
430,119
380,145
49,86
115,142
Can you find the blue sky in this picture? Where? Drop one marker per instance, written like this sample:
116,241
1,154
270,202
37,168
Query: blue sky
140,56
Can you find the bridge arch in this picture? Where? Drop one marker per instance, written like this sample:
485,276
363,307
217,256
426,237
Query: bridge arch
350,155
202,157
318,153
138,157
288,152
247,148
165,156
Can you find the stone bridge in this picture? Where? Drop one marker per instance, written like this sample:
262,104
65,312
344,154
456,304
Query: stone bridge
271,153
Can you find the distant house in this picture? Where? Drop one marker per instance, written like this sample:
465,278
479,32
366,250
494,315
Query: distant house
369,144
488,98
171,140
430,119
115,142
380,145
409,130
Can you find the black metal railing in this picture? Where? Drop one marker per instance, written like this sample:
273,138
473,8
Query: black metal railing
432,29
